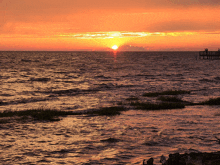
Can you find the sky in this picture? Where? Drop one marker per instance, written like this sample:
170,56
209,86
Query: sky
158,25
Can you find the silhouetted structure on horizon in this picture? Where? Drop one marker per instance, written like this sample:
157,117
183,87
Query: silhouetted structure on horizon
209,55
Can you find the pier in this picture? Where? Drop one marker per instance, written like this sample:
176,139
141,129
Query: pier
209,55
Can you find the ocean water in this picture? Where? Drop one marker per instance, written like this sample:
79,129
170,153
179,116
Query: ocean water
79,81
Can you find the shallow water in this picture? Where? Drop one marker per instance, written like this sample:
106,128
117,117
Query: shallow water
89,80
137,135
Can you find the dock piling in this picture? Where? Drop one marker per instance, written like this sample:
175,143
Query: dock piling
209,55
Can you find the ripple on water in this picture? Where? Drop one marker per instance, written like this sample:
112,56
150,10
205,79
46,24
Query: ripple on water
69,81
111,140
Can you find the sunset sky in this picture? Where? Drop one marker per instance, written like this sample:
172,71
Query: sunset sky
99,24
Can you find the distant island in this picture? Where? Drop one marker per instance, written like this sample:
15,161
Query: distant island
131,48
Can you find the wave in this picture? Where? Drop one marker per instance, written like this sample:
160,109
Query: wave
215,80
77,91
25,60
102,77
4,77
24,101
68,92
6,95
110,86
44,79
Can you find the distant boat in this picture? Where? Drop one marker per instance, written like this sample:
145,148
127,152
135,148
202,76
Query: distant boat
209,55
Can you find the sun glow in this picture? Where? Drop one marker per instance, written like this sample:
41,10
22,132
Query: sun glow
115,47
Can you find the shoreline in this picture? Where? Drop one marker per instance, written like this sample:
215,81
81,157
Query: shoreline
193,158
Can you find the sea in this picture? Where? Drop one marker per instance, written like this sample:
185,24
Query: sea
88,80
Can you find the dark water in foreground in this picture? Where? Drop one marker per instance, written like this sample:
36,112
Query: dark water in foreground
77,81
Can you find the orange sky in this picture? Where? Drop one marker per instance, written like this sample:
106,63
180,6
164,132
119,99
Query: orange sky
100,24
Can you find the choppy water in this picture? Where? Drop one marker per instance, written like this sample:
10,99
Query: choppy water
88,80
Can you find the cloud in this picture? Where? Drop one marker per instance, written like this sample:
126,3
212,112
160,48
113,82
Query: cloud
125,34
55,7
106,35
57,10
186,20
176,26
195,2
131,48
72,16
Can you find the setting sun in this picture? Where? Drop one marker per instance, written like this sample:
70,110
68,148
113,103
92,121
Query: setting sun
115,47
28,25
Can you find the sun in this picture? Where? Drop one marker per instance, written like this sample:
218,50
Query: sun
115,47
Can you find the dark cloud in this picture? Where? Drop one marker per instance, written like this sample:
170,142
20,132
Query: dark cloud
131,48
195,2
175,26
